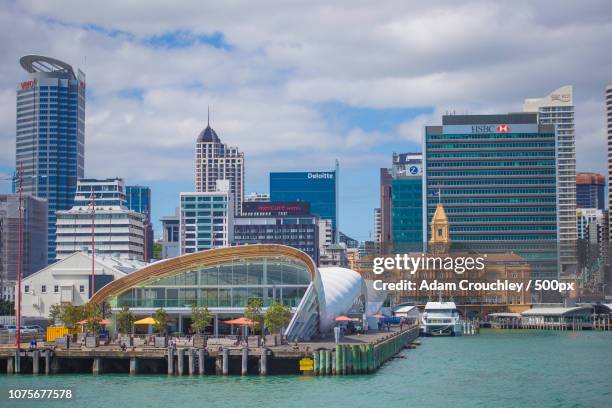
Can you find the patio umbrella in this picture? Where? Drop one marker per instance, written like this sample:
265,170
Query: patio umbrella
343,319
102,322
146,320
379,316
242,321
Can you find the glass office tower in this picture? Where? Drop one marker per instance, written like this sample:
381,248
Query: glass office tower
496,176
407,202
319,188
50,135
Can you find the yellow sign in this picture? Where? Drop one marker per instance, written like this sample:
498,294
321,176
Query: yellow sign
306,364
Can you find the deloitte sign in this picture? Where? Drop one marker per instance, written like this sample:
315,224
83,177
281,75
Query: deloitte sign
321,175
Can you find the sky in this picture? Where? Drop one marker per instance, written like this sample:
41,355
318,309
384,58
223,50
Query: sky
296,85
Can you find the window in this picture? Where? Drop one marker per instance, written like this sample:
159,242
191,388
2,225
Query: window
82,288
43,288
27,289
56,289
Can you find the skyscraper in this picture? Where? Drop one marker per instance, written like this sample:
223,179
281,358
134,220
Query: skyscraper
139,200
407,202
217,161
34,239
496,176
119,231
319,188
609,127
557,109
206,219
590,190
51,134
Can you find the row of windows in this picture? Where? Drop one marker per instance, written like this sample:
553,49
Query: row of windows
549,163
495,191
492,145
490,172
501,154
505,228
493,182
43,289
489,200
497,136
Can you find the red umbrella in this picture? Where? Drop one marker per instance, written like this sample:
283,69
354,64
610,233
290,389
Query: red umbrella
242,321
343,319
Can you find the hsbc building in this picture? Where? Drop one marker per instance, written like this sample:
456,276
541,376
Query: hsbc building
496,176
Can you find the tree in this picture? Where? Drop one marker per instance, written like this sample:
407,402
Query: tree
157,250
161,320
125,320
200,318
277,316
93,315
71,315
253,312
55,313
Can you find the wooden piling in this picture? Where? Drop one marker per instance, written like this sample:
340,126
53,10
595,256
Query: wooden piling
201,361
263,362
226,358
245,361
133,365
170,361
191,360
35,362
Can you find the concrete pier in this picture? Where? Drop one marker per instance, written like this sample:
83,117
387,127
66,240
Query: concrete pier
245,361
201,361
133,366
170,361
97,366
225,361
181,361
35,362
191,360
10,365
48,362
263,362
18,361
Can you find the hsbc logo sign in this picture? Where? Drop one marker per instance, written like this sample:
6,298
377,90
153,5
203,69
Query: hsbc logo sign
491,128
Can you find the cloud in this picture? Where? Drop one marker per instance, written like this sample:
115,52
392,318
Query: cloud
266,69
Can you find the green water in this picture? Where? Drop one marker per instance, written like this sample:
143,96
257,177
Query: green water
494,369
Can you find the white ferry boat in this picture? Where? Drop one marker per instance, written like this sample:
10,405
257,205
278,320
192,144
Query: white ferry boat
441,318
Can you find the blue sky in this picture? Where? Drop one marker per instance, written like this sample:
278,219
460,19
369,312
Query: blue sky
297,85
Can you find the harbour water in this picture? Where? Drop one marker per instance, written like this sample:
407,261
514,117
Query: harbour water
498,368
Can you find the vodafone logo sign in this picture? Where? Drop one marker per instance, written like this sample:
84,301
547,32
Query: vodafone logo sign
503,128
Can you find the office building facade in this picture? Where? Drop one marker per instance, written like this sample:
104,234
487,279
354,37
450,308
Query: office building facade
558,109
214,161
34,239
50,145
609,128
319,188
385,207
377,226
206,219
496,176
407,202
138,198
287,223
170,243
118,231
590,190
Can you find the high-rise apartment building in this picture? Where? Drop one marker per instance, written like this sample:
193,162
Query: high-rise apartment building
217,161
609,127
590,190
557,109
34,239
118,231
206,219
496,176
377,226
50,134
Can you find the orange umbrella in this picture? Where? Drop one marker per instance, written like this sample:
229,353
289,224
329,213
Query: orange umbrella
343,319
243,321
102,322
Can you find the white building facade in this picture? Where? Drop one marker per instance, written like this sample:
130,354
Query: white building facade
206,219
557,108
69,281
118,231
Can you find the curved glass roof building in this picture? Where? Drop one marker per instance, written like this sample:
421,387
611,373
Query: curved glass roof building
225,279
